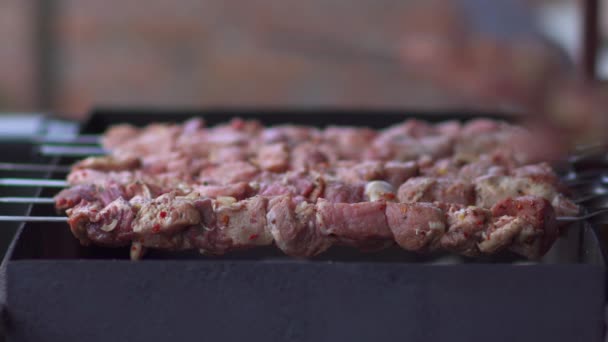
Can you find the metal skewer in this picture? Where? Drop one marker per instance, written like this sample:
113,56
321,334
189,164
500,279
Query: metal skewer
50,183
84,139
28,200
33,219
33,167
64,219
581,218
71,151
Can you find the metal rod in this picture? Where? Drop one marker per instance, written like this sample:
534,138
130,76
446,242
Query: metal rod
50,183
33,219
71,151
28,200
589,198
64,219
33,167
582,218
84,139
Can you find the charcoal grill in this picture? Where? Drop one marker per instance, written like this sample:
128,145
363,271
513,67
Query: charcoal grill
58,290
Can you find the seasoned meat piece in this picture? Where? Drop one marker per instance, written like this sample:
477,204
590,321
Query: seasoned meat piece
206,236
289,134
228,154
118,135
493,189
108,163
426,189
244,222
396,173
193,125
465,228
273,157
409,128
143,190
353,223
228,173
295,183
450,129
339,192
480,126
501,233
80,217
86,176
240,190
416,226
113,224
170,242
349,142
440,168
165,214
307,156
352,172
107,226
484,166
438,146
541,230
70,197
541,173
564,206
294,227
147,141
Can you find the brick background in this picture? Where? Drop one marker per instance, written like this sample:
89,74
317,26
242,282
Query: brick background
196,53
16,55
221,52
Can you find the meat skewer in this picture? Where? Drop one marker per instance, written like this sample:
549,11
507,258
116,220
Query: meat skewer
463,188
526,225
405,141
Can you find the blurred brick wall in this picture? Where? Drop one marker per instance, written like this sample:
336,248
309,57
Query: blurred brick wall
17,65
218,53
215,52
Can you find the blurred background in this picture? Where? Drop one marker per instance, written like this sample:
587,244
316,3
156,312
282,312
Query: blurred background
67,56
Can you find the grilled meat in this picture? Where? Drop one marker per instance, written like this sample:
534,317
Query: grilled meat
524,225
462,188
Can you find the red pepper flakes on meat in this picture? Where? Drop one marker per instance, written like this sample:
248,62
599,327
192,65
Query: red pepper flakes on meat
479,223
389,196
156,228
253,236
163,214
519,206
62,201
225,219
